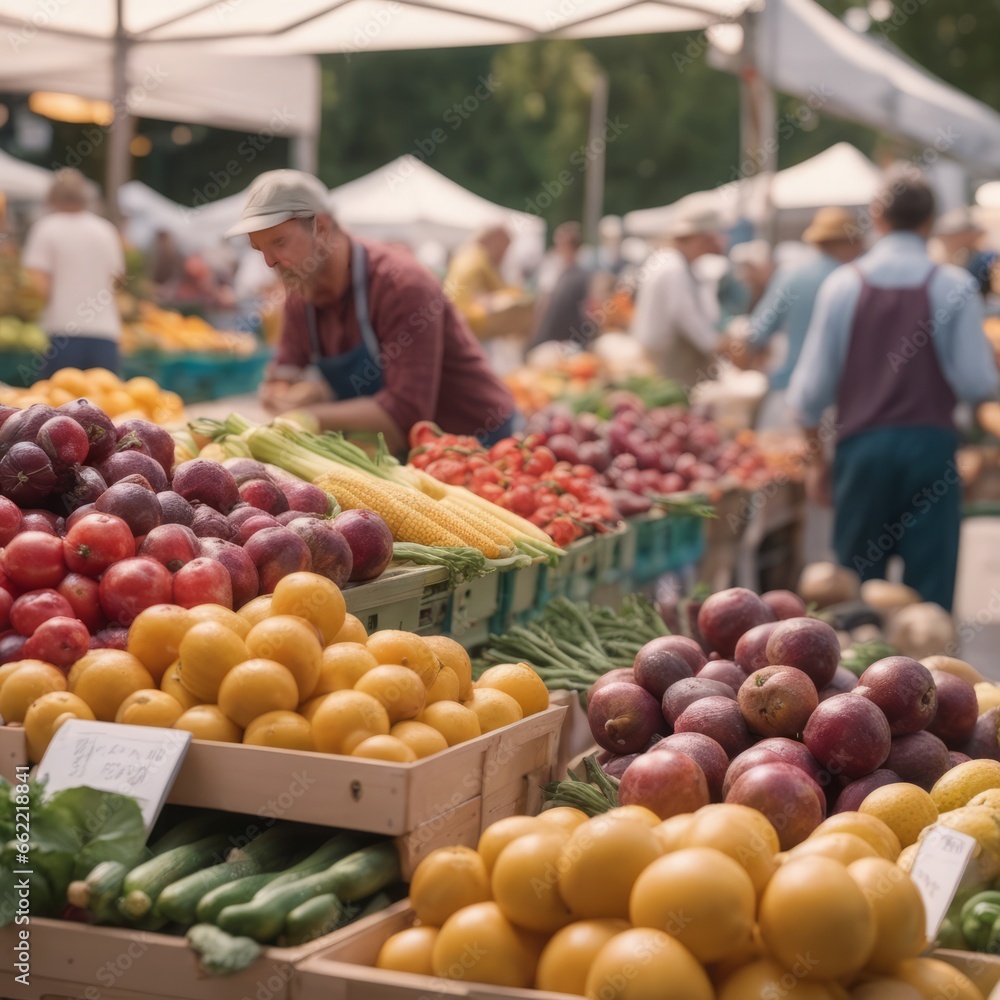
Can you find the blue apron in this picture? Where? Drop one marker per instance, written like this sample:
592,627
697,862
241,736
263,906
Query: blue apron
357,372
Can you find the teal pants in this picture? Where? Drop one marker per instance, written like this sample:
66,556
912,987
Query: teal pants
897,491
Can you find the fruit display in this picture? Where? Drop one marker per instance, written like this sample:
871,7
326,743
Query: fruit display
521,476
292,670
655,451
417,508
772,718
139,398
702,906
21,336
227,881
155,329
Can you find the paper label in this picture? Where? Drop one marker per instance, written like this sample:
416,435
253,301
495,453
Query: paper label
938,869
138,761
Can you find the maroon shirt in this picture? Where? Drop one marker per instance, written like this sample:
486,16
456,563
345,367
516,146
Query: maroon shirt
433,368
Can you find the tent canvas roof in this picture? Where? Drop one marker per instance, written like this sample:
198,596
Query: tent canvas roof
841,175
20,181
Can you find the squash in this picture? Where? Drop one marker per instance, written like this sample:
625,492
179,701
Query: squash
888,598
920,630
825,583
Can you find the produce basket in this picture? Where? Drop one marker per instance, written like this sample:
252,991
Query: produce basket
18,368
343,970
447,798
982,969
575,575
518,596
74,960
197,378
396,598
685,541
652,541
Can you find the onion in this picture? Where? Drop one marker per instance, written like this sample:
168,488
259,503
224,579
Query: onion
26,474
24,425
88,484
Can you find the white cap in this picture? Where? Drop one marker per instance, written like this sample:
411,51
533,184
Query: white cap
279,195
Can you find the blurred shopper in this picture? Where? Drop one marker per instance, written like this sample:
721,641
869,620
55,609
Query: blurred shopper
474,272
566,241
960,238
75,261
563,312
369,342
166,265
499,315
671,320
893,343
787,304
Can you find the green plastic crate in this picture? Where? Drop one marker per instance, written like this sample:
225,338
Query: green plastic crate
198,378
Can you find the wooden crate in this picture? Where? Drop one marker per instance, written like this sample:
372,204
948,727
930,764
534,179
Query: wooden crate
342,970
983,970
505,768
107,963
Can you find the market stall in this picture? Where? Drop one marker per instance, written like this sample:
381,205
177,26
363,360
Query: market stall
231,616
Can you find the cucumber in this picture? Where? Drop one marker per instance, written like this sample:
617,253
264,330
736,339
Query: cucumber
230,893
312,919
194,828
179,900
143,885
358,875
375,904
244,889
220,954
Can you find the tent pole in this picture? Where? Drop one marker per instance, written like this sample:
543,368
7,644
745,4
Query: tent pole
121,129
758,134
593,196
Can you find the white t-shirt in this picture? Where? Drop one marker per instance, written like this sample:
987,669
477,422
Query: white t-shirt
82,254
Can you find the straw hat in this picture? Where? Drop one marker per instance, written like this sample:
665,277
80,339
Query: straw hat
829,225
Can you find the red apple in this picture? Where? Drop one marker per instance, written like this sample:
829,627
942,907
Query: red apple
59,641
786,795
203,581
777,701
808,644
668,782
848,735
725,616
751,650
904,689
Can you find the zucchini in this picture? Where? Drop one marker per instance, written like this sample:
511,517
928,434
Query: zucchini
312,919
220,954
194,828
244,889
179,900
358,875
143,885
375,904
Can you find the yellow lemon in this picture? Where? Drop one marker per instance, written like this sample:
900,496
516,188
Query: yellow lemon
906,809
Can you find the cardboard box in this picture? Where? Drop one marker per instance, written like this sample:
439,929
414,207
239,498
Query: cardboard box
506,769
343,970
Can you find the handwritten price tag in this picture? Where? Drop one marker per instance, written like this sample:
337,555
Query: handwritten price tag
938,869
138,761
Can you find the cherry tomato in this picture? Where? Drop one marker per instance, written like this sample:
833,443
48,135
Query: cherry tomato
448,470
490,491
502,448
521,500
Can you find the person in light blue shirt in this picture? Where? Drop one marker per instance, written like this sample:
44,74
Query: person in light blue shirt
787,304
894,343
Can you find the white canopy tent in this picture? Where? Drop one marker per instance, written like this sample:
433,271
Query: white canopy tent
20,181
802,49
405,201
841,175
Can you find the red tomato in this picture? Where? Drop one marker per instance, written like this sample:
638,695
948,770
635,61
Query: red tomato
490,491
422,432
132,585
503,448
82,593
6,601
541,461
448,470
34,559
60,641
37,606
95,542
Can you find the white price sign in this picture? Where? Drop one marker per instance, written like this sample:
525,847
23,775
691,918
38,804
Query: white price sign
938,869
138,761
